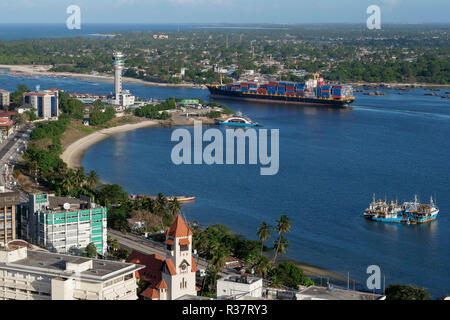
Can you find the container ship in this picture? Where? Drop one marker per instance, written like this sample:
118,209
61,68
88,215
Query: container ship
408,212
311,92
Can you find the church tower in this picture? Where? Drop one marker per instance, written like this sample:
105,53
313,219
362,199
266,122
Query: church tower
179,266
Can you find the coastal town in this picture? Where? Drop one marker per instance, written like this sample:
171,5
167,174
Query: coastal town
94,207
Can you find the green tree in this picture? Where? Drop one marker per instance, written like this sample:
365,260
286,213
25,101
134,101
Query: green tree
92,179
90,251
263,232
406,292
283,227
262,266
288,274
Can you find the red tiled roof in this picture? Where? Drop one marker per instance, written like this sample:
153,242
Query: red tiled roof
197,288
169,241
161,285
153,266
150,293
184,242
170,266
179,228
194,265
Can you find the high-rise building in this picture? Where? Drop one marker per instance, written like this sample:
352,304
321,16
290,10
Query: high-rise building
37,275
4,98
61,223
121,97
118,61
8,203
46,102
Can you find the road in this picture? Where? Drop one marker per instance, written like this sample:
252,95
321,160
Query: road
9,156
139,243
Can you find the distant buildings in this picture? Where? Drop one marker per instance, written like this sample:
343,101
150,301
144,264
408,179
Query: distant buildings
62,223
8,203
46,103
173,276
36,275
4,98
239,288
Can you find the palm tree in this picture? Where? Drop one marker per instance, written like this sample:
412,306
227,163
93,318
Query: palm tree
262,266
92,179
162,203
283,227
80,177
281,245
263,233
174,206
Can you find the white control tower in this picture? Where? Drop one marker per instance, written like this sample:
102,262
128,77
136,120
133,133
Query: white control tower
118,61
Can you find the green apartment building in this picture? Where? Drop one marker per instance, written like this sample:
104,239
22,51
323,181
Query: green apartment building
61,223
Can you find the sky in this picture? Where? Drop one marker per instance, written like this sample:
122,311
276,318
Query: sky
225,11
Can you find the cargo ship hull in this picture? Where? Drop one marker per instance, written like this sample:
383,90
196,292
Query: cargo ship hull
271,98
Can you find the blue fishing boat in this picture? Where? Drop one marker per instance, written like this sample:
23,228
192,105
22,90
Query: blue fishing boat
238,120
408,212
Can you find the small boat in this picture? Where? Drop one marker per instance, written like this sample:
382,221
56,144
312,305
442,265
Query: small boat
238,120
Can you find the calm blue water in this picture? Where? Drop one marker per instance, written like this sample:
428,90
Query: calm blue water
331,161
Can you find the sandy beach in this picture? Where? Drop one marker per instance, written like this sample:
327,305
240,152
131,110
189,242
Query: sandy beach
43,70
74,153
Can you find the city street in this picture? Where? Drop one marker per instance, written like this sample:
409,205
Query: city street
134,242
10,152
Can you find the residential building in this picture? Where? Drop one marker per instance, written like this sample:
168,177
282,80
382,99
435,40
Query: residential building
36,275
6,126
332,293
8,203
46,102
61,223
171,277
4,98
239,287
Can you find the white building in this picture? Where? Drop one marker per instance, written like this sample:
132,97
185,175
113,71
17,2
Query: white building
46,103
37,275
239,288
121,97
4,98
172,277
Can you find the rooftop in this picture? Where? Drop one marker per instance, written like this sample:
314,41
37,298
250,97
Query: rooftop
241,279
56,264
325,293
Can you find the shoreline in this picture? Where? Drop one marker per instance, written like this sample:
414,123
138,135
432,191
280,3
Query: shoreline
43,70
74,153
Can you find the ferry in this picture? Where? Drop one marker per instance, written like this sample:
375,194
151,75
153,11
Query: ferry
408,212
238,120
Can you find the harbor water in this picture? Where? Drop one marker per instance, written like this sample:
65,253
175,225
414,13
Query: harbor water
331,162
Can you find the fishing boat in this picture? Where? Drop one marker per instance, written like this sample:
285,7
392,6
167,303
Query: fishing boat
238,120
408,212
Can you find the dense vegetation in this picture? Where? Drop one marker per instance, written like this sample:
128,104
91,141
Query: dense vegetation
406,292
404,53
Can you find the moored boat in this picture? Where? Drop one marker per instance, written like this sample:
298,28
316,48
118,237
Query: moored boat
408,212
238,120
